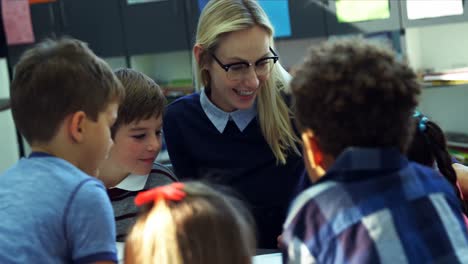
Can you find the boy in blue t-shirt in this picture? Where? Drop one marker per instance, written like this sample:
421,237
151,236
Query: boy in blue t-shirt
64,99
369,204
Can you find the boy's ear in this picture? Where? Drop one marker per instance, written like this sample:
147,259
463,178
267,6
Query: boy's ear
76,126
197,51
313,155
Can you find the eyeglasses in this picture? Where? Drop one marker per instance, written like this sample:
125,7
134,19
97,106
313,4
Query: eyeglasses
238,70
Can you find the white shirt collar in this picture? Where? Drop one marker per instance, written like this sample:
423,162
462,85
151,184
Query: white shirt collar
219,118
133,182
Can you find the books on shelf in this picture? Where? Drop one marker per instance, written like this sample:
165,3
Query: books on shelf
457,144
447,77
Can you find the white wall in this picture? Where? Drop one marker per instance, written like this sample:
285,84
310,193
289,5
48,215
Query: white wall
292,52
441,47
438,47
446,106
9,152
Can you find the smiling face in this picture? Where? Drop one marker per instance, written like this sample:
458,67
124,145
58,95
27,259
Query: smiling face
136,146
247,45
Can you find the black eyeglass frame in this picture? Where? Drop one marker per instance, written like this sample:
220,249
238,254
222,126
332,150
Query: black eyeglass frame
226,67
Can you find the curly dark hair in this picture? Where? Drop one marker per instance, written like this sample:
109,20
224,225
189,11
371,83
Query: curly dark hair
354,93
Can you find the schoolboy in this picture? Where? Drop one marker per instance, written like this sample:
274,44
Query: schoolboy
64,99
369,204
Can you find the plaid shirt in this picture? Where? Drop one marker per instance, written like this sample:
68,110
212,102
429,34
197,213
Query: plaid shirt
374,206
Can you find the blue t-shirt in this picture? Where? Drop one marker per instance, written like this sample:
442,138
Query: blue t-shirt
52,212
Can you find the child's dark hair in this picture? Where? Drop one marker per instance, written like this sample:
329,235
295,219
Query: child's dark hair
429,147
143,98
57,78
353,93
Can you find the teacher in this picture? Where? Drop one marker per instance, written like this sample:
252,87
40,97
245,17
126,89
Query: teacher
237,131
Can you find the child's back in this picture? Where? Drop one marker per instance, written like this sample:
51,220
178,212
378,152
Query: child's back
49,208
64,100
369,204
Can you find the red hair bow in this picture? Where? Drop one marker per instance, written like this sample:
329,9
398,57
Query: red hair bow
171,192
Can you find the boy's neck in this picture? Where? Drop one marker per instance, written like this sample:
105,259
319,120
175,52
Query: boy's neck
58,150
110,174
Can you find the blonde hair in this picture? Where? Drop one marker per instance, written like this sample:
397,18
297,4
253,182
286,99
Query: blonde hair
205,227
220,17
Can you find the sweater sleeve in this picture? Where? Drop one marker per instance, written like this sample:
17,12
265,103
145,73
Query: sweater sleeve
176,144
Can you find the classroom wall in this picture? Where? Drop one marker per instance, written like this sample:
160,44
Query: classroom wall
446,106
292,52
441,47
9,152
438,47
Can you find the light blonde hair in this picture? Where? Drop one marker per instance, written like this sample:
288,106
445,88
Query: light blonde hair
220,17
205,227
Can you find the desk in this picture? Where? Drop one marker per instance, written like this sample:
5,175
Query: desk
271,258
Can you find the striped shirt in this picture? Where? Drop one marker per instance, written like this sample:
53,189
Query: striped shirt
374,206
122,196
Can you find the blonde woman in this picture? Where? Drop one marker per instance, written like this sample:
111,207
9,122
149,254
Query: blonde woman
190,223
237,131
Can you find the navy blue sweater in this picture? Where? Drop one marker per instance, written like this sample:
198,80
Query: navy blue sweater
240,160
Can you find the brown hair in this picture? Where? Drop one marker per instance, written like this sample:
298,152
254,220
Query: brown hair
57,78
143,98
353,93
206,227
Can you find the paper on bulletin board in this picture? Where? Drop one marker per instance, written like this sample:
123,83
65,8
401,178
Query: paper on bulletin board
17,22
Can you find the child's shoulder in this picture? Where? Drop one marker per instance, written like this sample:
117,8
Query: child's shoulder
160,175
184,101
53,173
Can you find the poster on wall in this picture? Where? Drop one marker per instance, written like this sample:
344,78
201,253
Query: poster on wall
361,10
17,22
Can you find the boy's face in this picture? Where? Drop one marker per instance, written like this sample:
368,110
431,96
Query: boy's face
99,140
137,145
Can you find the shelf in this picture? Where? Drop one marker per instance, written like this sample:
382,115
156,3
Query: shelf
457,144
430,86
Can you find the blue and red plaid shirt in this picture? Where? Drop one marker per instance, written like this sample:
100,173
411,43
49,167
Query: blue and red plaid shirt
374,206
